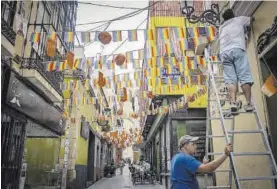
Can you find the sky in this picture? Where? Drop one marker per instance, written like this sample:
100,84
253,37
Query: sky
90,13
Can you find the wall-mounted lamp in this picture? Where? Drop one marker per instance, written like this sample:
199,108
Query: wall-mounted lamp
211,16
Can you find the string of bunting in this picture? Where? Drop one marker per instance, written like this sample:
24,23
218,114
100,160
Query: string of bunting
132,35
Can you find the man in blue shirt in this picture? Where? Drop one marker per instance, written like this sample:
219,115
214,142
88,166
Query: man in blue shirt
184,166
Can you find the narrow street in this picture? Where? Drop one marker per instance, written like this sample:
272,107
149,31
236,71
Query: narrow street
121,182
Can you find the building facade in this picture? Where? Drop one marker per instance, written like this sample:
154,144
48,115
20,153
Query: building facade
161,132
88,152
32,101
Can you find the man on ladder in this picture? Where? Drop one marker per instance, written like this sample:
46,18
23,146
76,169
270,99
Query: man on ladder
235,62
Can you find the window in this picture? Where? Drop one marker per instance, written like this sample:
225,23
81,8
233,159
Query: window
40,13
176,75
193,128
202,31
54,18
8,10
164,75
46,17
190,43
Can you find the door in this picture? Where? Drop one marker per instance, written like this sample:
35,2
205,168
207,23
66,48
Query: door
90,167
13,130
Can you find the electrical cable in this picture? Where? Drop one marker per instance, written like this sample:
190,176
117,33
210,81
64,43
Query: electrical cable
126,39
134,13
111,6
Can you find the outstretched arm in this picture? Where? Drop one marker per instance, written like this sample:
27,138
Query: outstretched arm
212,166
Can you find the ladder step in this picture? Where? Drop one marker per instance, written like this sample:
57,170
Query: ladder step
240,112
258,178
216,136
242,153
217,187
251,153
223,170
226,93
218,118
245,131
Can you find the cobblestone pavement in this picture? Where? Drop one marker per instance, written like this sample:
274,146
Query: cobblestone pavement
122,182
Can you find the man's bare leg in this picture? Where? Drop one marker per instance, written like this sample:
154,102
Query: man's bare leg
232,92
233,88
246,88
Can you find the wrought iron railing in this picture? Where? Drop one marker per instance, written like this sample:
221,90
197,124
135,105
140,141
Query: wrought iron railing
54,78
75,74
7,31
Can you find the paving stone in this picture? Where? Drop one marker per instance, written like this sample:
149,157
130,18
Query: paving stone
122,182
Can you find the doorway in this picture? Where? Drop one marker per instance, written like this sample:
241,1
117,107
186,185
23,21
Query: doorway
268,67
91,152
13,132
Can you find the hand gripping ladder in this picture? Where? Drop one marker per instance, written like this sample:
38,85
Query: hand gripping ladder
228,135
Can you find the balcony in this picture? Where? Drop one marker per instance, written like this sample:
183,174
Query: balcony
47,82
77,74
7,31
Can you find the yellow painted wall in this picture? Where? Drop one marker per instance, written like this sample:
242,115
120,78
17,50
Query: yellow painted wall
79,146
259,165
155,22
42,155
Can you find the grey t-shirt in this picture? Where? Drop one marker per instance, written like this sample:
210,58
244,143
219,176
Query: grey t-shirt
231,33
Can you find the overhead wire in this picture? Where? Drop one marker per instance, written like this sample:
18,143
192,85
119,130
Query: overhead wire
111,6
134,13
146,19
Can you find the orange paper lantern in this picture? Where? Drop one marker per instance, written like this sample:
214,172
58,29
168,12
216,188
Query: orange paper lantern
101,80
70,59
149,94
120,59
134,115
51,47
105,37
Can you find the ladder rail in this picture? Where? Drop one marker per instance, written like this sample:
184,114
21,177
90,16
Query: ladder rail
232,142
266,143
268,149
208,124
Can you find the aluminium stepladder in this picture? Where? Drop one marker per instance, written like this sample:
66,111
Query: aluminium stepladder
228,135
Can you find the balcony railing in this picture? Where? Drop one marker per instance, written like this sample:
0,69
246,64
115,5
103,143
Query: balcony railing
53,78
80,74
7,31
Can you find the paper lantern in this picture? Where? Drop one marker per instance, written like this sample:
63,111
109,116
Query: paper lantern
51,48
105,37
101,80
149,94
134,115
70,59
120,59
